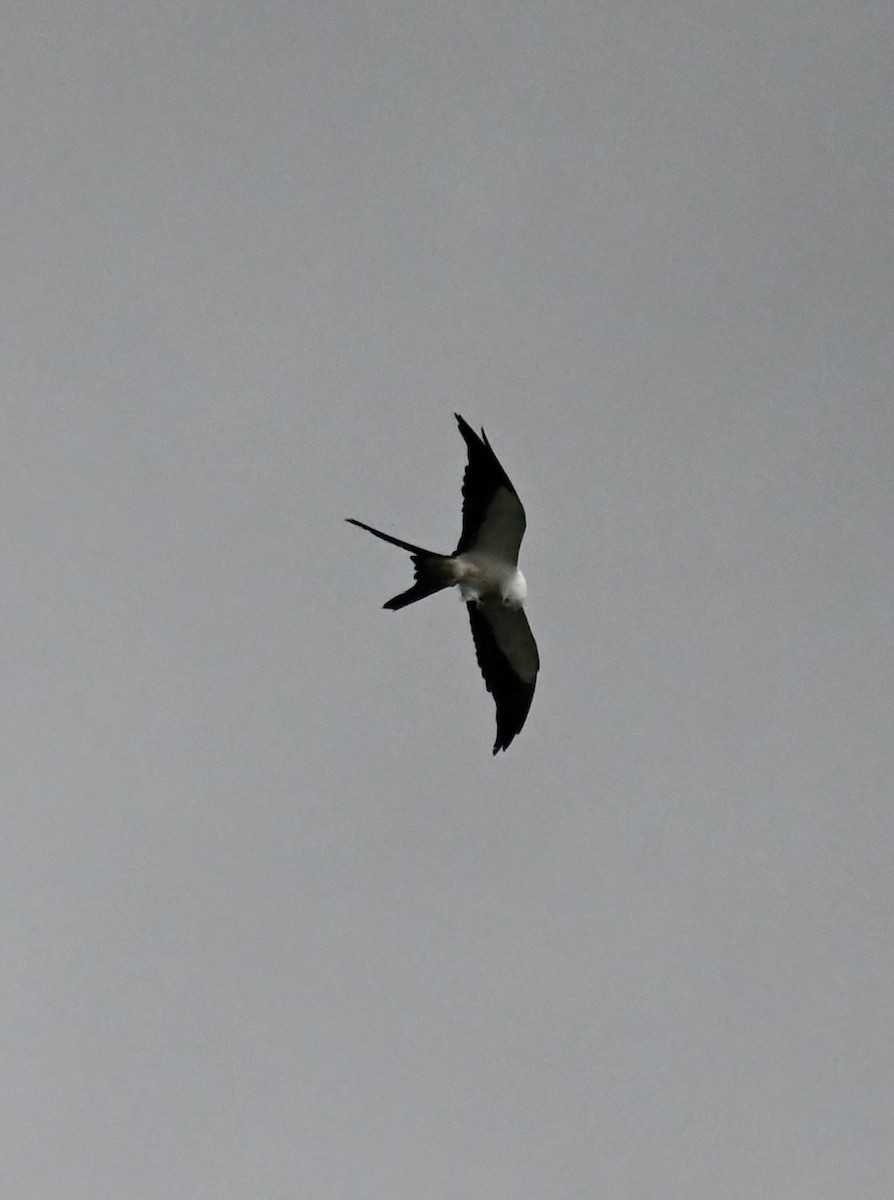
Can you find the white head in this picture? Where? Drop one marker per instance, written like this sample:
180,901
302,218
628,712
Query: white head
515,589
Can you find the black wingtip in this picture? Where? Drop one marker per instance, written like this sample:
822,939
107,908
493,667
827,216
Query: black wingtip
469,433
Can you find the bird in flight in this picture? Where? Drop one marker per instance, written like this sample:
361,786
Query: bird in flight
484,566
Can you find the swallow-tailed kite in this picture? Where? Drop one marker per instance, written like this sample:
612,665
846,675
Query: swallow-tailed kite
485,568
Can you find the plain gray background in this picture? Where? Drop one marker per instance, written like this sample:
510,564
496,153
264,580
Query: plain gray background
276,924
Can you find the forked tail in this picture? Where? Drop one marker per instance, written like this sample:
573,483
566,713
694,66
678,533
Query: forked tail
430,569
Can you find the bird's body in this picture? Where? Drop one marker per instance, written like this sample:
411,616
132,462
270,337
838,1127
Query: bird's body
484,567
479,575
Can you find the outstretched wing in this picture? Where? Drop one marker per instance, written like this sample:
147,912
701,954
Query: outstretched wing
493,517
508,658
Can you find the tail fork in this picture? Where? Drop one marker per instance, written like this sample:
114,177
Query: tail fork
430,570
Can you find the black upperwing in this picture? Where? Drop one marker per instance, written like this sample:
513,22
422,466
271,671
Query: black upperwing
493,516
508,658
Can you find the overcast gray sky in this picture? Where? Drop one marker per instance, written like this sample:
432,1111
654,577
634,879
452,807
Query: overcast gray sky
276,924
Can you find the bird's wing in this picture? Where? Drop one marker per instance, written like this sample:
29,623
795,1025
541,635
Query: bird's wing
508,658
493,517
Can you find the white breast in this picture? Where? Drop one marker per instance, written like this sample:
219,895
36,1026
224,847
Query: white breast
480,575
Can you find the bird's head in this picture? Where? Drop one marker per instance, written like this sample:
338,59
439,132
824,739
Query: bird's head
514,591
